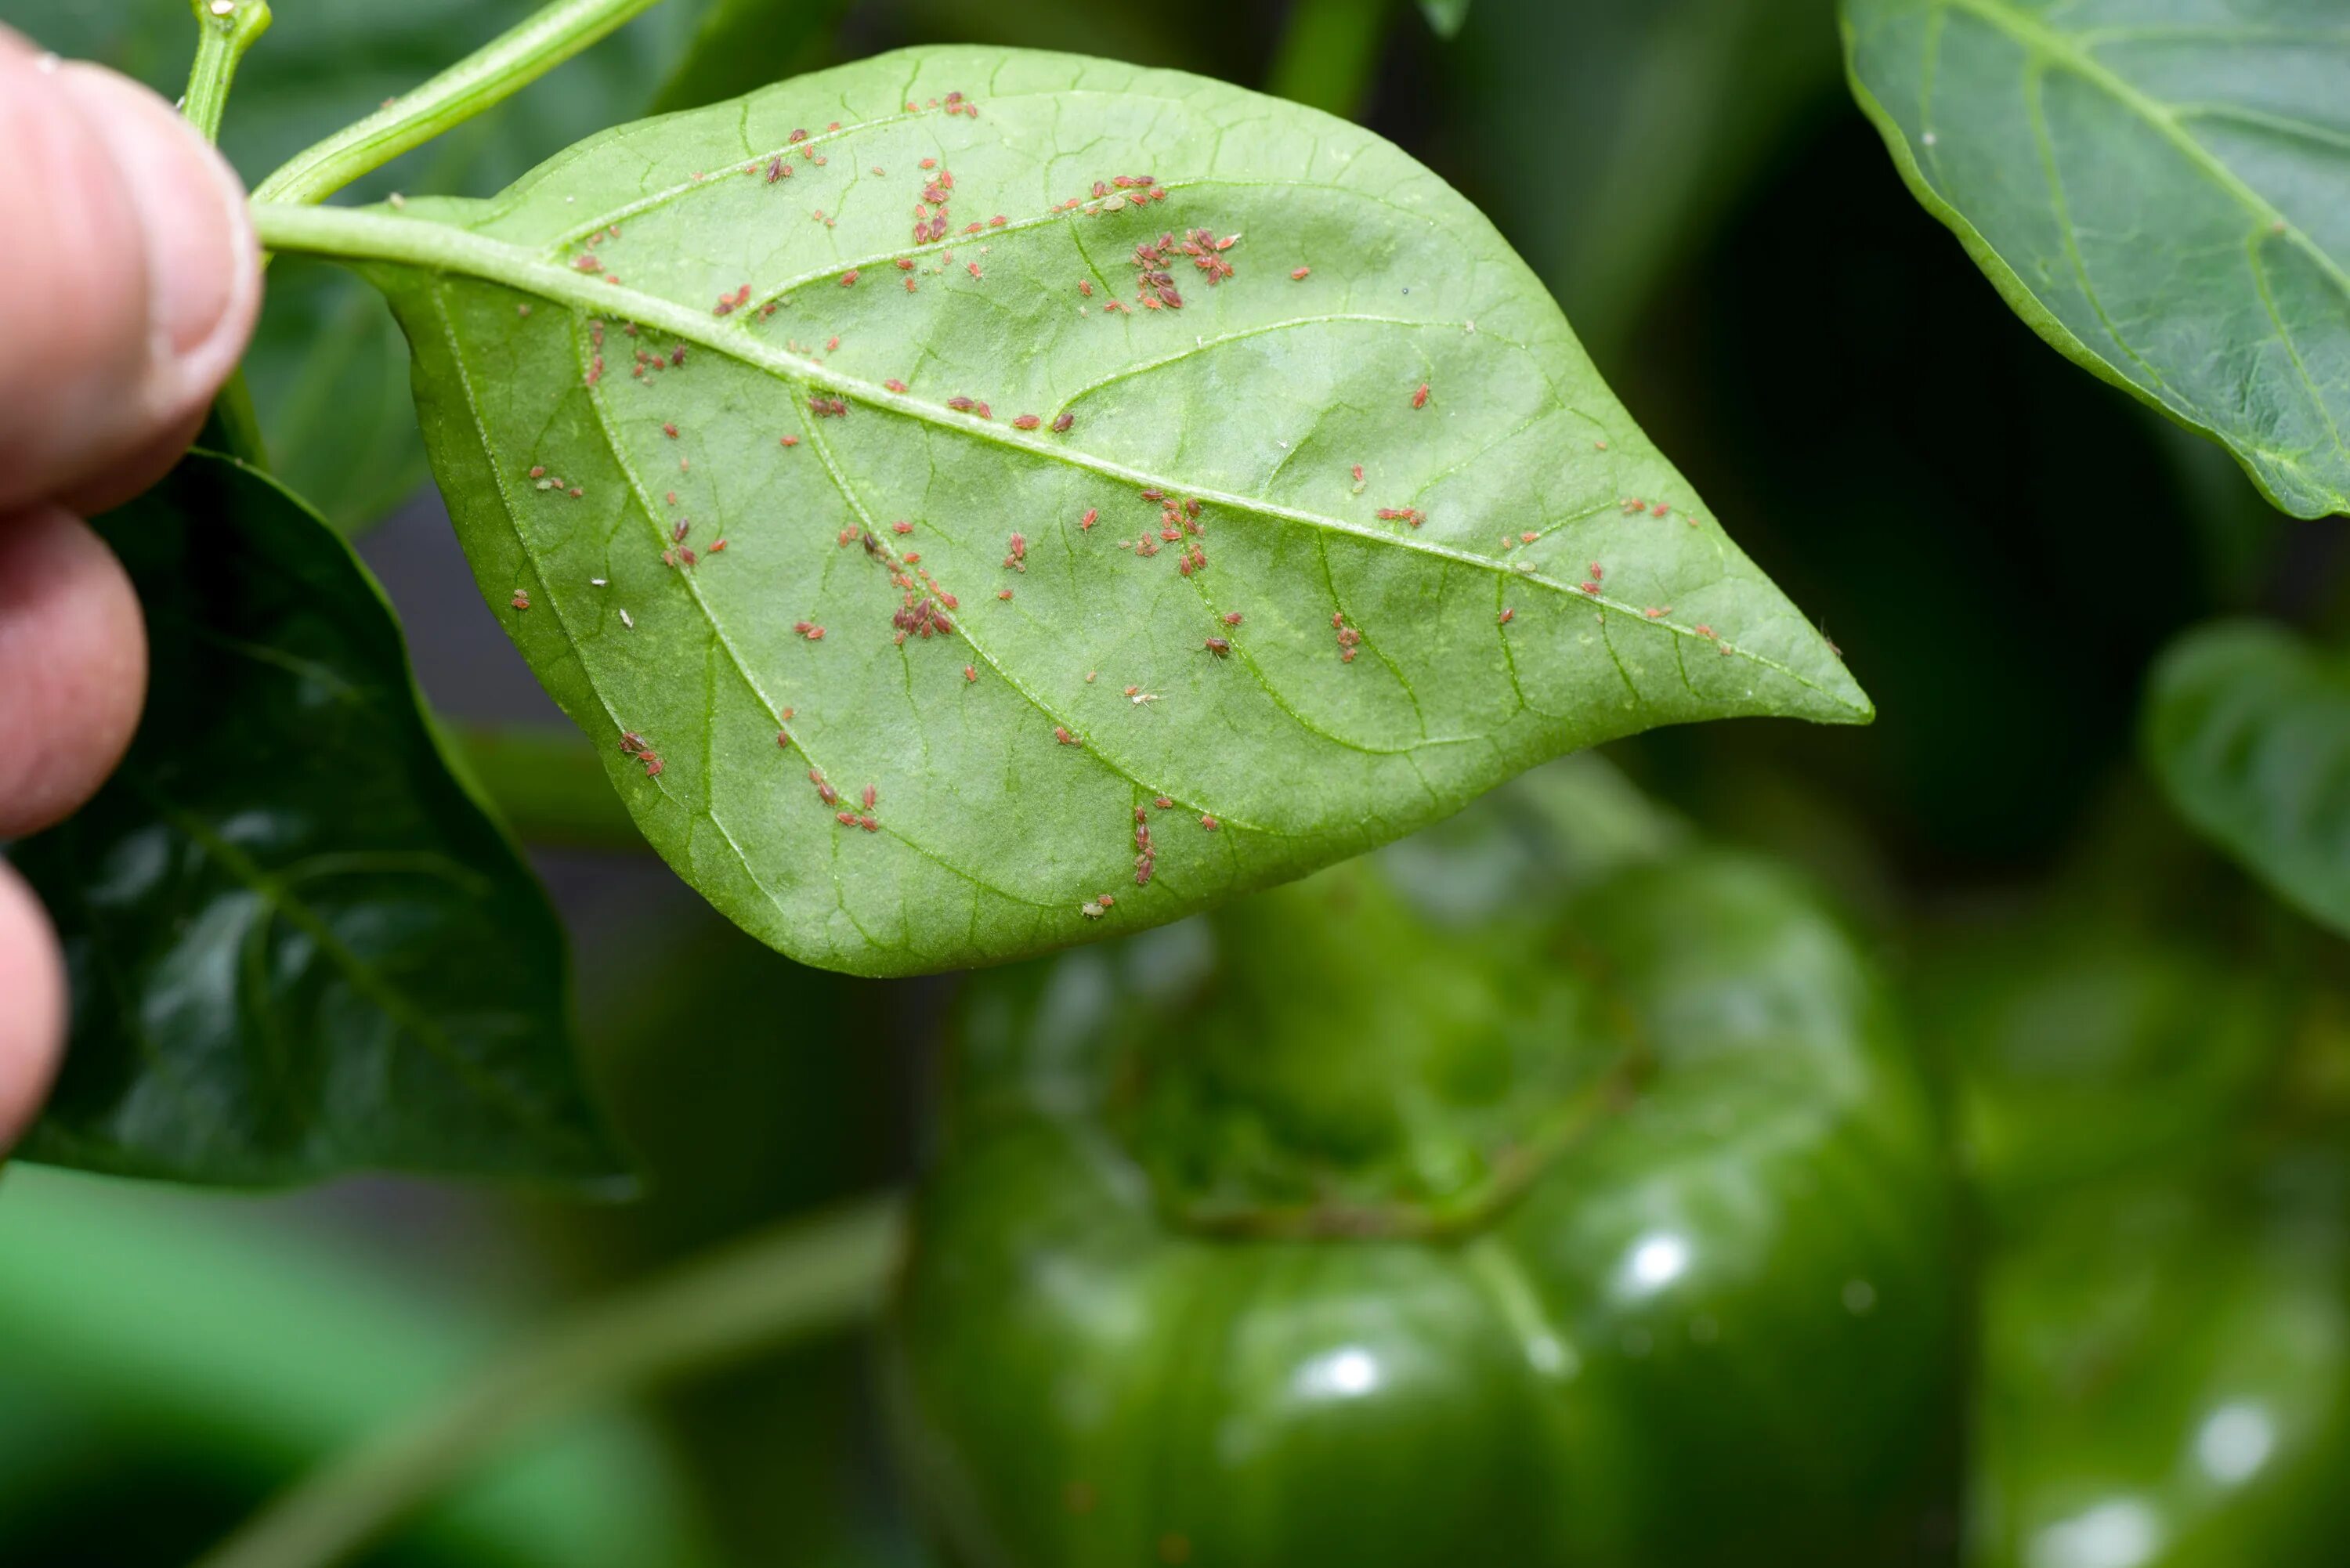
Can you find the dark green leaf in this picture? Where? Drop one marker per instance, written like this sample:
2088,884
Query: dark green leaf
2248,728
326,364
742,44
1540,607
298,946
1445,15
2162,192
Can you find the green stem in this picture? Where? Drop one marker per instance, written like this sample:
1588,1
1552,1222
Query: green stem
804,1278
224,30
549,783
1327,54
489,75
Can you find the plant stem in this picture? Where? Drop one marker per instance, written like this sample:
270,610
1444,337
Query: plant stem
489,75
224,30
802,1280
1327,54
549,783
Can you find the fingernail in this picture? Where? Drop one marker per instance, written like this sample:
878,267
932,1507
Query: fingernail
192,217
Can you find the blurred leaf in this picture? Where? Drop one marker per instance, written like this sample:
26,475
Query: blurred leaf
2248,727
1610,137
1445,15
2161,197
298,946
742,45
173,1357
327,366
1008,780
547,784
1328,51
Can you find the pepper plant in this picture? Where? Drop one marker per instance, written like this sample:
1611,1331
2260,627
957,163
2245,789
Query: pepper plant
975,501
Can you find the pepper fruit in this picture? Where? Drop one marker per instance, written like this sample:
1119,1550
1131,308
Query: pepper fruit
2165,1193
1579,1219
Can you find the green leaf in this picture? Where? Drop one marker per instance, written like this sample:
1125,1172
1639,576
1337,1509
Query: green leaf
2162,197
326,365
1381,671
2248,727
1446,17
299,945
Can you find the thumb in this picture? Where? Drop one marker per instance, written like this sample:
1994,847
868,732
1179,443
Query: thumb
136,292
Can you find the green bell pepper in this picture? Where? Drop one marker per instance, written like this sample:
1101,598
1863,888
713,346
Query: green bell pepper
1486,1201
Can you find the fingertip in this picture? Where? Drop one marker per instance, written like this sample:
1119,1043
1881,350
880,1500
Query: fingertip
132,306
73,666
33,1023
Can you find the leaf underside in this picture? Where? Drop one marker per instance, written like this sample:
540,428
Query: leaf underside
298,946
2165,197
664,332
2248,728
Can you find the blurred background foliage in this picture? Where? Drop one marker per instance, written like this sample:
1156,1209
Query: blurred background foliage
2146,1058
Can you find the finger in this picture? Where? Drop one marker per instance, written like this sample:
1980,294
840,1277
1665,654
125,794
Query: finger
73,666
137,290
33,1024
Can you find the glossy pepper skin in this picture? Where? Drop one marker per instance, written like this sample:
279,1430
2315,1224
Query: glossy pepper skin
2164,1190
1603,1230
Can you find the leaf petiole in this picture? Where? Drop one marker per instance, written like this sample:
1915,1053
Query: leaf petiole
224,30
487,76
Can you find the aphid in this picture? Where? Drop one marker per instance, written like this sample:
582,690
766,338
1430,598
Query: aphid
1301,274
797,137
970,672
672,498
1507,616
1210,823
670,430
1025,422
652,766
1154,495
870,825
1419,399
1061,425
1085,288
846,818
848,279
1003,593
1702,629
678,529
626,621
983,411
902,526
1086,522
587,262
1597,575
1658,612
975,266
1591,588
831,344
1090,911
926,163
576,492
521,598
1231,618
1065,738
718,545
962,405
895,385
1017,556
870,796
778,169
538,472
816,634
1660,509
784,739
1162,802
909,287
1218,646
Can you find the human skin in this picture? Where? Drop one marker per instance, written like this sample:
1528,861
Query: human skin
130,290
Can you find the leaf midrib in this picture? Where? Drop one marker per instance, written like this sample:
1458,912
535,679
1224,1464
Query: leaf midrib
429,245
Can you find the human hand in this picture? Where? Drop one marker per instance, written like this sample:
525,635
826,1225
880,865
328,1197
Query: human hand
132,284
